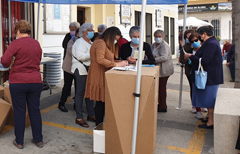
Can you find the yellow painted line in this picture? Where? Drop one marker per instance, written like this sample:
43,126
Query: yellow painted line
187,151
177,91
68,127
54,106
7,128
196,142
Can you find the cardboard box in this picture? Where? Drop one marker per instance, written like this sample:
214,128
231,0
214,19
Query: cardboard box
119,111
10,119
1,91
4,112
99,138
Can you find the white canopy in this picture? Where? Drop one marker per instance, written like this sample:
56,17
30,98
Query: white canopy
194,22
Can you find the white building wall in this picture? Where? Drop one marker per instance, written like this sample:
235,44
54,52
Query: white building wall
225,21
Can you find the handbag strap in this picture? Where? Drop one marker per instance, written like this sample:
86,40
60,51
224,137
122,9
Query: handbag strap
200,68
79,60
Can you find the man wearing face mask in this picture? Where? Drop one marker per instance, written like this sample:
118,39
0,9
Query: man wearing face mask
163,57
72,27
128,49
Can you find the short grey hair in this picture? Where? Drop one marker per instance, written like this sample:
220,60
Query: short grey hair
102,27
159,31
84,28
134,29
74,24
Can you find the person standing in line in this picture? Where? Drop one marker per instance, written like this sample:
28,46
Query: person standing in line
101,28
68,75
227,45
72,27
102,55
25,82
231,62
163,57
210,53
80,63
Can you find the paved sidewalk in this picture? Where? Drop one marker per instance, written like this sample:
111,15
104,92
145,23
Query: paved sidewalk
177,131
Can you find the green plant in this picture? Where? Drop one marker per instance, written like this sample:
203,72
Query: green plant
218,38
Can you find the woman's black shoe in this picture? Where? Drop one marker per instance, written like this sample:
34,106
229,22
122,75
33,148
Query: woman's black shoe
205,126
62,108
204,121
162,110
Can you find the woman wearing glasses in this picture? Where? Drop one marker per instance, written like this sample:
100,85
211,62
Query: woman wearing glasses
210,52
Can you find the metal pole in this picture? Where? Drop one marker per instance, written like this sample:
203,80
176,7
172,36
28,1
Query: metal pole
38,20
139,73
9,23
183,43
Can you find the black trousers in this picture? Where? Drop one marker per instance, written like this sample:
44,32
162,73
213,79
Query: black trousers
20,94
238,141
99,112
68,78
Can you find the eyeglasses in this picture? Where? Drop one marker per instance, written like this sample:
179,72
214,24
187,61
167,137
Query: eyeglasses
194,41
90,30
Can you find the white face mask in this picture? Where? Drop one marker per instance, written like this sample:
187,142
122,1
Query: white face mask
158,39
115,41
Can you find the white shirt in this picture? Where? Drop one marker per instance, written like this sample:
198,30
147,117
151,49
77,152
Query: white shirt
81,50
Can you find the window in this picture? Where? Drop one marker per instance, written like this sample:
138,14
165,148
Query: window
216,25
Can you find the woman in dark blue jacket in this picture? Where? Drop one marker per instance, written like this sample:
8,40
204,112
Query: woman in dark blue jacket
210,52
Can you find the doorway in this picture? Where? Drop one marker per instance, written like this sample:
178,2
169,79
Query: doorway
81,15
172,34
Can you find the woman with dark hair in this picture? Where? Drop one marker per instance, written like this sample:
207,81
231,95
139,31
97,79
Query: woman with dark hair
25,82
102,54
210,53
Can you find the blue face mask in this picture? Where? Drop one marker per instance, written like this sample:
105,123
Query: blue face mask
187,40
100,33
196,44
90,35
135,41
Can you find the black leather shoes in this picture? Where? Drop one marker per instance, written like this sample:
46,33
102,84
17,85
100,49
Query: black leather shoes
205,126
162,110
204,121
62,108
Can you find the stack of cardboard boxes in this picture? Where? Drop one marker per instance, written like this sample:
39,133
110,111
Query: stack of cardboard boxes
6,109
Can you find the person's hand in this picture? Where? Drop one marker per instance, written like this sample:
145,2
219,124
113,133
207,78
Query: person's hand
187,55
223,54
121,64
131,60
154,56
228,64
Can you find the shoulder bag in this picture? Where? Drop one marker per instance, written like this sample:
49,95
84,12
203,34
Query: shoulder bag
200,76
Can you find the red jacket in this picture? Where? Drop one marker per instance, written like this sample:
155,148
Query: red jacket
28,54
226,48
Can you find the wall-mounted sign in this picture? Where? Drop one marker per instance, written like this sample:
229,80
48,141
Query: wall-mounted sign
125,14
199,8
224,6
159,18
57,18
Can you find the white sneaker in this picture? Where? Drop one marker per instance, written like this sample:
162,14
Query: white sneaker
194,109
199,115
204,109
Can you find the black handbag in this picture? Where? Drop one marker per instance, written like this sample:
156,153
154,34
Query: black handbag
87,67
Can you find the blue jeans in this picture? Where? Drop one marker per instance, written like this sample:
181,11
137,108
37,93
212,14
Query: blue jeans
20,94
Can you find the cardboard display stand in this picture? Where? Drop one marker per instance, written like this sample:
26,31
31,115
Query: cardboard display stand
4,112
10,119
1,91
119,111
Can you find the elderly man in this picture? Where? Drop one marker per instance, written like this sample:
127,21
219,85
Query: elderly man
72,27
101,28
128,49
